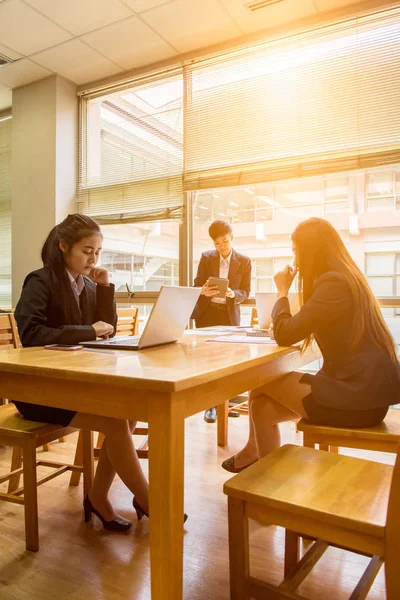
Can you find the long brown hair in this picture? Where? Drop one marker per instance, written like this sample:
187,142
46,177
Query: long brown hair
71,231
320,249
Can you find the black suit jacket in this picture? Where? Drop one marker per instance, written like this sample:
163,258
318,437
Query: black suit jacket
40,318
239,281
361,380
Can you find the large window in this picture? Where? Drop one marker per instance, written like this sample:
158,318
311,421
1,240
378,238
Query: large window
263,217
132,153
383,273
383,190
264,138
141,257
316,103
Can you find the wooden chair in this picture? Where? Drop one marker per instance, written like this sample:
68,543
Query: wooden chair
243,407
24,437
382,438
335,500
127,321
9,339
254,317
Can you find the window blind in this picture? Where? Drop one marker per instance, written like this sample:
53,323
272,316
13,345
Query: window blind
322,102
131,157
5,213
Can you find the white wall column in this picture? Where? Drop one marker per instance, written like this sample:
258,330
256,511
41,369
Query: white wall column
44,168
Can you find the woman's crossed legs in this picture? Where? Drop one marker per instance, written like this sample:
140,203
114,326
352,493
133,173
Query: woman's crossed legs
273,403
118,455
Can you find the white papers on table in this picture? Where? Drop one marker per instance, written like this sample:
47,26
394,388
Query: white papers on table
243,339
198,332
222,329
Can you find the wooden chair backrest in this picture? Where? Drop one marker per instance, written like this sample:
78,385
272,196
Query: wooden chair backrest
393,514
8,332
254,317
127,321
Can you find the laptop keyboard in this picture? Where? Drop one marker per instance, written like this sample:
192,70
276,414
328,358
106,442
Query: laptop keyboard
131,341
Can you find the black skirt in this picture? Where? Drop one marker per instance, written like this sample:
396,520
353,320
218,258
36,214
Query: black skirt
45,414
333,417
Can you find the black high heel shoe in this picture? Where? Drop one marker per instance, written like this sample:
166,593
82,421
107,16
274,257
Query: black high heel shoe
142,513
119,524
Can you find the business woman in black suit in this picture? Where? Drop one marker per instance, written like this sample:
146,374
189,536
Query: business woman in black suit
360,377
69,301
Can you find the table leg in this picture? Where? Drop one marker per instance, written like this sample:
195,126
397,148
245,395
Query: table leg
166,477
222,423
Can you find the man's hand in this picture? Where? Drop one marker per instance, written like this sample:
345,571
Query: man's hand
230,293
209,290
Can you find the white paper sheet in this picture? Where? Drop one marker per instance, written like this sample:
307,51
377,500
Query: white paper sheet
200,332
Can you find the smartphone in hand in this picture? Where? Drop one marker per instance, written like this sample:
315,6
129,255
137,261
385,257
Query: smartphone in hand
62,347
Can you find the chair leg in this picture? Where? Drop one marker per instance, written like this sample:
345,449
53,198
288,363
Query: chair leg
222,423
76,476
100,440
87,460
61,440
308,441
392,571
30,498
16,462
292,551
46,447
328,448
238,549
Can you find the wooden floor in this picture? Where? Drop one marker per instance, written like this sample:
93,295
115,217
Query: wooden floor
82,562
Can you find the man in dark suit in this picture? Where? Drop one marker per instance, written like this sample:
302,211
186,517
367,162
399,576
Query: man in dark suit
223,262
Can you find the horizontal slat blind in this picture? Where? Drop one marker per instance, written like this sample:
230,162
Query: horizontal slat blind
5,213
324,102
132,153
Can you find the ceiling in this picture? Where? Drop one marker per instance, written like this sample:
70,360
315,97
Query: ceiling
87,40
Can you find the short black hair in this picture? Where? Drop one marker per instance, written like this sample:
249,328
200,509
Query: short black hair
218,229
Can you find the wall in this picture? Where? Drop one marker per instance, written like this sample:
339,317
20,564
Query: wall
44,168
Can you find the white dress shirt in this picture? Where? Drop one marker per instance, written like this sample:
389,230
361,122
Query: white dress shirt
77,286
224,264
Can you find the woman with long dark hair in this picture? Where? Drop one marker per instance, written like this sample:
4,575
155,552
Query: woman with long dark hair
69,301
359,379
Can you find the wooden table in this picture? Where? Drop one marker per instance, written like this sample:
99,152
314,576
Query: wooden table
161,386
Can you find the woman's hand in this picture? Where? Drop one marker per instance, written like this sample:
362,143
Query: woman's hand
99,275
283,280
230,293
103,329
209,290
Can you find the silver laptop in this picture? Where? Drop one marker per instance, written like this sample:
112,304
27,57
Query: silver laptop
265,302
165,325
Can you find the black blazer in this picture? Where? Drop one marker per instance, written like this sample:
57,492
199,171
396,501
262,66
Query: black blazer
41,321
239,281
361,381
